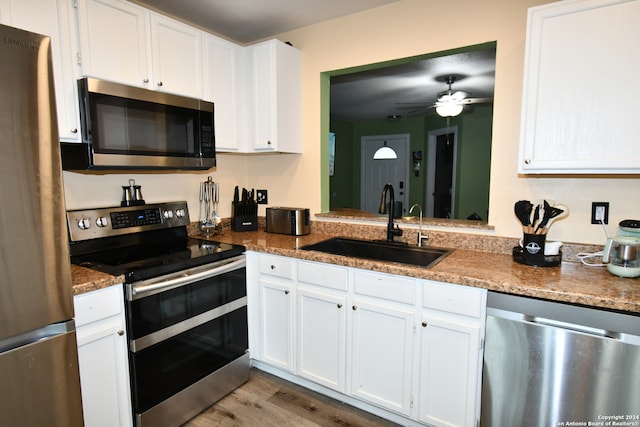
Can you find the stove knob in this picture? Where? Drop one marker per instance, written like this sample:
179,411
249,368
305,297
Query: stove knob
180,213
84,223
101,221
168,214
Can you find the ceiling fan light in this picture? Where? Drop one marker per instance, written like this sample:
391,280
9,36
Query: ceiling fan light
449,109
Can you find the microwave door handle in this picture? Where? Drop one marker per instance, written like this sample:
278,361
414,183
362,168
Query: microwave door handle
149,286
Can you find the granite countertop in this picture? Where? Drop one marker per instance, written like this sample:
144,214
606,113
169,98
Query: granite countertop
87,280
570,282
483,267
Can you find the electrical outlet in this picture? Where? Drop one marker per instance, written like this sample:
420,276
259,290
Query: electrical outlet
261,197
599,212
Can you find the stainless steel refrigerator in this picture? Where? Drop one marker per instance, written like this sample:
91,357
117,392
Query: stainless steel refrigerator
39,377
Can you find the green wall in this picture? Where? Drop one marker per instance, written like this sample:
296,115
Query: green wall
474,153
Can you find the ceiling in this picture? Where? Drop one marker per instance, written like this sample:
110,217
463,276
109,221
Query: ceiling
247,21
367,95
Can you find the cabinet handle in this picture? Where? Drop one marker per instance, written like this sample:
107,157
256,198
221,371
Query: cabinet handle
339,305
273,267
74,130
527,161
159,83
424,324
355,307
268,142
286,292
145,80
121,332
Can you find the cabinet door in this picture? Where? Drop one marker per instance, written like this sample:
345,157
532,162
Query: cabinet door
277,324
104,368
220,88
321,337
381,352
450,356
113,41
103,357
52,18
277,97
177,57
579,106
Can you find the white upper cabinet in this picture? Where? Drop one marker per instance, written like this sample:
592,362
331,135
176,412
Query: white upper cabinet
125,43
114,41
221,87
276,97
51,18
177,57
580,100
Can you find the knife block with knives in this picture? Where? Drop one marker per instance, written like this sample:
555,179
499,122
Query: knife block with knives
244,211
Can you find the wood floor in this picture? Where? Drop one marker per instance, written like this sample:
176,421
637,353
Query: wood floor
267,401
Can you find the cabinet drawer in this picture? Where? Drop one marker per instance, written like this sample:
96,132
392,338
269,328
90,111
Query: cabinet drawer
385,286
454,299
98,305
328,276
276,266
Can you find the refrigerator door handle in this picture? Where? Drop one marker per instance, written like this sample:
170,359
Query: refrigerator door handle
37,335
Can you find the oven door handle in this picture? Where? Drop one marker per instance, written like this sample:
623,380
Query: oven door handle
151,286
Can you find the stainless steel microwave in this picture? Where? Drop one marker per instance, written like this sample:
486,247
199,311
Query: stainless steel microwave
125,127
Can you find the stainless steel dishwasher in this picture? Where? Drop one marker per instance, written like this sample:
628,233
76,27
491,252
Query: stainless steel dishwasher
550,364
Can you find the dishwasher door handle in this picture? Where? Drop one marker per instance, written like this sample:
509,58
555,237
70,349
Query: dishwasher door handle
601,333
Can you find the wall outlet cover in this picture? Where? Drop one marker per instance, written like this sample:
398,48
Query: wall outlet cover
261,197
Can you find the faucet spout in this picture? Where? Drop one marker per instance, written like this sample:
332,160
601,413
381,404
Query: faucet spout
420,235
391,230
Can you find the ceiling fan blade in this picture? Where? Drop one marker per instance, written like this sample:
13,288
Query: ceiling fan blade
416,107
477,101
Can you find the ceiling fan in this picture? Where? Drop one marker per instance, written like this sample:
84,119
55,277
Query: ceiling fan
450,103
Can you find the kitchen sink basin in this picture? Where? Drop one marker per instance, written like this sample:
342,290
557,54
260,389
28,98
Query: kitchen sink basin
381,250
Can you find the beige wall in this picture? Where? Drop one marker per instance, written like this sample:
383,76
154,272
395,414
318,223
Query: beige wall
401,29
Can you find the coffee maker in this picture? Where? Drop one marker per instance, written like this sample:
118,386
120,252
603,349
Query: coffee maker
622,252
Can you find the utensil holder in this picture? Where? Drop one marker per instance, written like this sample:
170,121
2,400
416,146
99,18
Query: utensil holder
532,252
244,216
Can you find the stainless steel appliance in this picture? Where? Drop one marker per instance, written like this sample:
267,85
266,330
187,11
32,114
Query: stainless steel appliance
186,306
128,127
622,252
293,221
40,382
549,364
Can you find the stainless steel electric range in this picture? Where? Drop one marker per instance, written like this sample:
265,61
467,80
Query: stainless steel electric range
186,305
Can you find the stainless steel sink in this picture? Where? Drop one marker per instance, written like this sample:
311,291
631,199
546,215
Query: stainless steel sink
381,250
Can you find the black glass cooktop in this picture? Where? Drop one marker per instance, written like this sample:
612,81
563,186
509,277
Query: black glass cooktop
143,261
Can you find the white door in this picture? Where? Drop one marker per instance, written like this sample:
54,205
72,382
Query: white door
376,172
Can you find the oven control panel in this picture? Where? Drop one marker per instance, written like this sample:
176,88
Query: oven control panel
105,222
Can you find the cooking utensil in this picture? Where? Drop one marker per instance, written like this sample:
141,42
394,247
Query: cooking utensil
550,212
209,199
522,209
536,216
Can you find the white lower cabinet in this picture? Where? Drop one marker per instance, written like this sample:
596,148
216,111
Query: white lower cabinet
321,337
450,363
102,358
407,347
276,307
381,352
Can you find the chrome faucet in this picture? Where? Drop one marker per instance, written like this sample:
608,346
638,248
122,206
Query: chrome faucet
391,230
420,235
